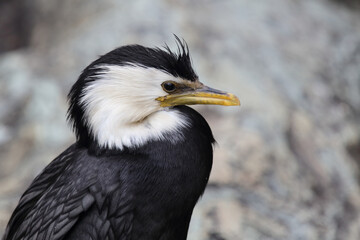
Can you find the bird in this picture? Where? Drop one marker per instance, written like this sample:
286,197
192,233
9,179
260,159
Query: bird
141,159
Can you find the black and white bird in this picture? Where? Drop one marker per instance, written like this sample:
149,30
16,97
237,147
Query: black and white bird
141,160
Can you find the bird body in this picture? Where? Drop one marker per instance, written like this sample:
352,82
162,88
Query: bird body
138,167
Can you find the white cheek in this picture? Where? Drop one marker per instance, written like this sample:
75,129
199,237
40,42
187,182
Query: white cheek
120,106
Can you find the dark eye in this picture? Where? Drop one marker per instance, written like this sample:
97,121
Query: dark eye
168,86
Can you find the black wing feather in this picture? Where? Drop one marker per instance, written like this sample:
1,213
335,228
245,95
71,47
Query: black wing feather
69,201
17,224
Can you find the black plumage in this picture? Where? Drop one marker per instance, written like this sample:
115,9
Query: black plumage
142,192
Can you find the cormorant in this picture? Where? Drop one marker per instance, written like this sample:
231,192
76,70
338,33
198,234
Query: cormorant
141,160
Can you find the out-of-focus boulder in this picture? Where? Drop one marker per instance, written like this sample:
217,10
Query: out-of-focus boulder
286,162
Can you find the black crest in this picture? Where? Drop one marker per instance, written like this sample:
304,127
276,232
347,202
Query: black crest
177,64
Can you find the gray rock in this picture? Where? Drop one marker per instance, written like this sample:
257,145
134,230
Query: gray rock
287,161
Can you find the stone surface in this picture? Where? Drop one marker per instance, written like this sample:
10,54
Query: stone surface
286,162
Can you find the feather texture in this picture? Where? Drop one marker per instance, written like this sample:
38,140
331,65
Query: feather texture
143,193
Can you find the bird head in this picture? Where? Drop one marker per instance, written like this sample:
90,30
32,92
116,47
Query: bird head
127,96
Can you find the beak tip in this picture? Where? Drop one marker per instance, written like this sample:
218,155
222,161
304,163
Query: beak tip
235,100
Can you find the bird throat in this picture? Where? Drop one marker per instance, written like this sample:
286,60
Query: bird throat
165,125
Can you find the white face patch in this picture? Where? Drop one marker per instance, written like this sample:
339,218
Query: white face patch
121,109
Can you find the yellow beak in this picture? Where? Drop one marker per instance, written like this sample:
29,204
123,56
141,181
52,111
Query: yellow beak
203,95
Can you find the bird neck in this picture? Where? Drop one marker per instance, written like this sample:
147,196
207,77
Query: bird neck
116,133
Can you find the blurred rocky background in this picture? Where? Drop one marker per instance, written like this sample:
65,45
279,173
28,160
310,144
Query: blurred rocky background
287,161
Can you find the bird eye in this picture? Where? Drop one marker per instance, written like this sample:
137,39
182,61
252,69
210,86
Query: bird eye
168,86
